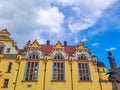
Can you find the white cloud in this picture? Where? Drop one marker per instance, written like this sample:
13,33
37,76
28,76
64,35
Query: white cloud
84,39
110,49
39,19
32,19
96,44
80,25
86,12
51,19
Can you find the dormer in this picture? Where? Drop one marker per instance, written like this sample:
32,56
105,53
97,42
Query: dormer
5,33
32,50
82,53
58,46
58,52
81,47
35,45
7,45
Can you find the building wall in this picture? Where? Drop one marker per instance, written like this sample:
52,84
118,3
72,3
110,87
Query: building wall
50,84
8,75
98,81
9,45
94,84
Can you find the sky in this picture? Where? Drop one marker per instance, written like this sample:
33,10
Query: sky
94,22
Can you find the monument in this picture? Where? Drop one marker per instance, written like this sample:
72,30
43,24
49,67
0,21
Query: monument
114,73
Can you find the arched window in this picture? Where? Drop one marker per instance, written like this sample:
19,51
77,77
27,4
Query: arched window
59,56
82,57
34,56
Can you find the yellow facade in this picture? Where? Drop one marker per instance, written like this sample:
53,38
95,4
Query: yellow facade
49,67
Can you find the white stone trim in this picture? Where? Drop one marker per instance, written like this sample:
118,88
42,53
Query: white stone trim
58,51
81,52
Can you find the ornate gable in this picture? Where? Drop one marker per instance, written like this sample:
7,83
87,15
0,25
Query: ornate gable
35,45
4,32
58,46
82,51
81,47
10,46
33,50
58,49
5,36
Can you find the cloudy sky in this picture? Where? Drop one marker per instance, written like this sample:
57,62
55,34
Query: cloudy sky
94,22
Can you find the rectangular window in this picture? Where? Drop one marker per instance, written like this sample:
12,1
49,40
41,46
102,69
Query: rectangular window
5,83
84,72
31,71
9,66
8,50
1,49
58,71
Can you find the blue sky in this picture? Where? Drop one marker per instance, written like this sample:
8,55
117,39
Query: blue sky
94,22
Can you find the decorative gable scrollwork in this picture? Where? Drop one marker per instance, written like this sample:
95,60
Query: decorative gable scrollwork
82,55
58,56
33,50
34,54
58,52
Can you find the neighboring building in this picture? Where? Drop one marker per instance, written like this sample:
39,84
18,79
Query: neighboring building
49,67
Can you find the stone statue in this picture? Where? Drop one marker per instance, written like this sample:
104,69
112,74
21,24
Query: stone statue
112,61
114,73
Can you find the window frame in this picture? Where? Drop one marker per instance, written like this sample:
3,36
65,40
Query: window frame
33,55
82,57
59,56
5,84
31,71
8,50
2,50
9,67
84,72
60,71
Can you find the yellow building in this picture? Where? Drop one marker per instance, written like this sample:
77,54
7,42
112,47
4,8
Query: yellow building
49,67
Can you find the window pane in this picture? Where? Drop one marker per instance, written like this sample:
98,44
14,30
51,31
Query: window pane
84,71
82,66
59,56
1,49
31,71
5,83
31,77
32,64
36,65
9,66
58,71
58,65
62,66
28,64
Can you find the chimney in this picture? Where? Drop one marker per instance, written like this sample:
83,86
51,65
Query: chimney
48,42
65,43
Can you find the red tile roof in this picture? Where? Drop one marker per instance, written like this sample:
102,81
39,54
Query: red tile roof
69,49
46,49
